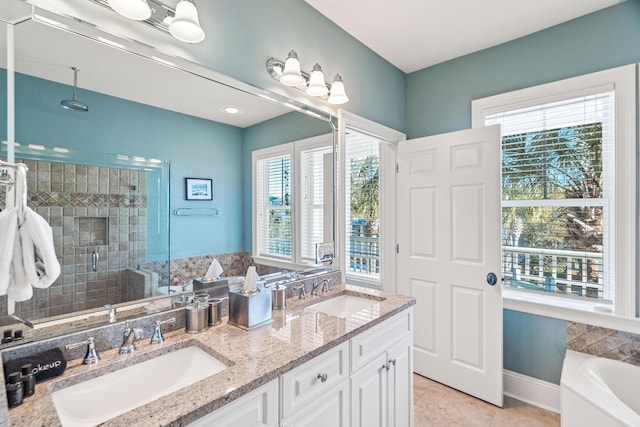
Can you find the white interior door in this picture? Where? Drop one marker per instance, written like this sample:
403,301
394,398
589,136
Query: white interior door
448,192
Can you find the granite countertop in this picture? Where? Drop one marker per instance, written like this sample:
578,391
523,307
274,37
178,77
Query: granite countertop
296,335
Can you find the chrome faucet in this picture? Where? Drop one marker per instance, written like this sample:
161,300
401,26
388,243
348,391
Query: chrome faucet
316,285
303,291
92,355
113,316
157,337
128,337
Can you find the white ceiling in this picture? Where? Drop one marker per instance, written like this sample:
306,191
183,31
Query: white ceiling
415,34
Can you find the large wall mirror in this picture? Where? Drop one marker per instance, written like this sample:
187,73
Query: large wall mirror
108,160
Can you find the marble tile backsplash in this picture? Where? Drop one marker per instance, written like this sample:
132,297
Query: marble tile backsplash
604,342
233,264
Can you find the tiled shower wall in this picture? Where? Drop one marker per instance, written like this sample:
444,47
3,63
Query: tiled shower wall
90,209
604,342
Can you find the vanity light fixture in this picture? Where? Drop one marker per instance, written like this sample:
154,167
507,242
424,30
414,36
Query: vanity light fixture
181,21
289,74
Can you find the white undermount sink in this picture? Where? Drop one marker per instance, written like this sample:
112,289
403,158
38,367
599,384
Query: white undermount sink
97,400
343,305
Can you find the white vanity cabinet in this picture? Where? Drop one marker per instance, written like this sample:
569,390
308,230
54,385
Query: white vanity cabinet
364,382
256,409
382,374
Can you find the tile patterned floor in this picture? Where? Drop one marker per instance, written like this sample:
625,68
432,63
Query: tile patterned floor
436,405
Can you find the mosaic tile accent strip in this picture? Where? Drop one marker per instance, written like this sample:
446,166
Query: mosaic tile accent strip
85,200
604,342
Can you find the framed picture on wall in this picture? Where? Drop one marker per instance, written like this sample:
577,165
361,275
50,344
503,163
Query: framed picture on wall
199,188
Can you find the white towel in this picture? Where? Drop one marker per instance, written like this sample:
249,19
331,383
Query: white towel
214,271
8,226
34,258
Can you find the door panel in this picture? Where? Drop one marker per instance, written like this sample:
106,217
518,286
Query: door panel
448,225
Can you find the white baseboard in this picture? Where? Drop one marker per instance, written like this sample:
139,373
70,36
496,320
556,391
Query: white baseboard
531,390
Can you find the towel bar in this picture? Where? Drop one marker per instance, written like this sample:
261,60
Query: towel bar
197,212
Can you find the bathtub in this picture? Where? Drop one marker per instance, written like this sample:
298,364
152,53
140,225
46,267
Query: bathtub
598,392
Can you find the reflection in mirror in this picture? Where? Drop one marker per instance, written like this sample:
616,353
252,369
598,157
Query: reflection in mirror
109,179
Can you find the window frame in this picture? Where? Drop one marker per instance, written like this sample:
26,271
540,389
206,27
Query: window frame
294,150
623,81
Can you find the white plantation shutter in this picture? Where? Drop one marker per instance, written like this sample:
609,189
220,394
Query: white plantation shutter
273,187
293,200
558,165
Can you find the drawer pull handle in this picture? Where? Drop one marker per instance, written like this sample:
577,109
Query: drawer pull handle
323,377
388,365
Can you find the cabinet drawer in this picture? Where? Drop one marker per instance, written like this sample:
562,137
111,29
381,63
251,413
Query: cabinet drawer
302,384
369,344
258,408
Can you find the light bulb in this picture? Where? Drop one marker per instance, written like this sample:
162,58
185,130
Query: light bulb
291,75
132,9
186,25
317,86
338,94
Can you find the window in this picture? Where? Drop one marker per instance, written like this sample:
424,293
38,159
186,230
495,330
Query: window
362,212
566,189
293,201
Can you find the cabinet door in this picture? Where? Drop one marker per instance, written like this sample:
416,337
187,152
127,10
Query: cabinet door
369,394
256,409
401,384
330,409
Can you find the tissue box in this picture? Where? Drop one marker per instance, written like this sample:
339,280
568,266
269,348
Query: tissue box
249,311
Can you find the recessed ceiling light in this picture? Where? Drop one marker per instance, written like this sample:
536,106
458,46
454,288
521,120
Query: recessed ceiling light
155,161
15,144
139,159
61,150
37,147
122,157
231,110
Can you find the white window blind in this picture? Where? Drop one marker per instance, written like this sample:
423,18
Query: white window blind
558,195
362,207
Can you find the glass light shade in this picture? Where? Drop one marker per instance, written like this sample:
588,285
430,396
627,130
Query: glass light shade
186,25
338,94
132,9
291,75
317,86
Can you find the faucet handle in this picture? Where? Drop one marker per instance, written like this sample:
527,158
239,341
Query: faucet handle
303,291
92,355
113,316
157,337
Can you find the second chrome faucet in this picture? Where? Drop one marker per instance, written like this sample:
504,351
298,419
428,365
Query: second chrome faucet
129,336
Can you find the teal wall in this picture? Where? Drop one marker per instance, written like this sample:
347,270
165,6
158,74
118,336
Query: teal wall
242,34
439,100
196,148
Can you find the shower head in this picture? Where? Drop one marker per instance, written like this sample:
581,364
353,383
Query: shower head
74,103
